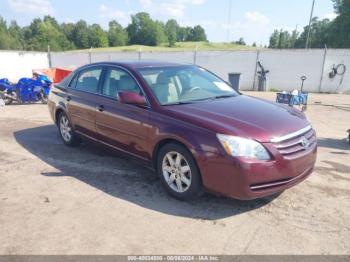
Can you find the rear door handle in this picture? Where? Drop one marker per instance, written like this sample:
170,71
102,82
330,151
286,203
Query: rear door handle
68,98
100,108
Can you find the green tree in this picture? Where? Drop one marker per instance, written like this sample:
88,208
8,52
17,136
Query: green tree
198,34
294,38
97,36
16,36
171,31
44,33
339,28
318,34
80,35
240,41
283,39
184,34
161,36
181,34
334,34
117,36
5,40
144,31
68,30
274,39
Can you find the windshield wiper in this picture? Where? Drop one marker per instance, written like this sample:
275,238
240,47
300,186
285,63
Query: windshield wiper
178,103
223,96
198,100
213,98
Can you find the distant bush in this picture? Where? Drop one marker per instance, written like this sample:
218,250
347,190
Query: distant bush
142,30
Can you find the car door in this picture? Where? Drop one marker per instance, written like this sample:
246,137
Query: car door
123,126
82,102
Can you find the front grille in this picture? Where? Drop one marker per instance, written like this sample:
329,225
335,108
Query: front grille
296,144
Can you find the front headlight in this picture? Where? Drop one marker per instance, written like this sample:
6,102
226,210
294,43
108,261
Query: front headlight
238,146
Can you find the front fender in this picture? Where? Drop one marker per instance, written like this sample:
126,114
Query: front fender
196,139
54,109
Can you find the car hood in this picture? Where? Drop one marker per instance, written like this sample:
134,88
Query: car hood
243,116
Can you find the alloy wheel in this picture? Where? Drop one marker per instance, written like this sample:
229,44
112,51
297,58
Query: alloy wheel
65,128
176,172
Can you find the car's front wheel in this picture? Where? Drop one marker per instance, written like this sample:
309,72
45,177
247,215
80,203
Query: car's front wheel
178,172
66,131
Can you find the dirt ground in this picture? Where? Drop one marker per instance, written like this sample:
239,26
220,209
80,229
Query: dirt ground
59,200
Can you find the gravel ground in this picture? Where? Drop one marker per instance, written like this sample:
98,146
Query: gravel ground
59,200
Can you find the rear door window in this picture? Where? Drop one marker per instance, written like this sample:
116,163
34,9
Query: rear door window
88,80
118,80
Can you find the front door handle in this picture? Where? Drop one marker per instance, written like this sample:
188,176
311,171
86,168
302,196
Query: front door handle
100,108
68,98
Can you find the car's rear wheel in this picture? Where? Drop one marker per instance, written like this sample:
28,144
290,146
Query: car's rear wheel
66,131
178,172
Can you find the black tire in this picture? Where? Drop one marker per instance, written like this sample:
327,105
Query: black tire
8,101
43,98
195,187
73,139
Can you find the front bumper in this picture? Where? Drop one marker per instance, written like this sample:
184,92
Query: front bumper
249,179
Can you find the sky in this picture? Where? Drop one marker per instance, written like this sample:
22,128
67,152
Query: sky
254,20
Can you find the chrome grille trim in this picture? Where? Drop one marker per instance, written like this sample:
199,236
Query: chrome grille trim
296,141
291,135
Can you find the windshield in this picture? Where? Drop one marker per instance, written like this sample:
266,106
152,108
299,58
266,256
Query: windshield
185,84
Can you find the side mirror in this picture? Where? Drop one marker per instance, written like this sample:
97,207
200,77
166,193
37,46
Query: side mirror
131,98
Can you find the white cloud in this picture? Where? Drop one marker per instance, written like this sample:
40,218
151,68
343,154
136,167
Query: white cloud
163,10
168,9
173,9
40,7
109,13
198,2
255,27
256,18
330,16
146,3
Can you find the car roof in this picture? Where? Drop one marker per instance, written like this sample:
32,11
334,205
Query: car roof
139,64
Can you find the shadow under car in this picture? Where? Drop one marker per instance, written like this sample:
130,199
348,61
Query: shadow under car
121,178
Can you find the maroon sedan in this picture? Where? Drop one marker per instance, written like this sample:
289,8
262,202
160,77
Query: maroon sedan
188,125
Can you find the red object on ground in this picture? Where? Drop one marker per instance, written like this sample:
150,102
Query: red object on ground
55,74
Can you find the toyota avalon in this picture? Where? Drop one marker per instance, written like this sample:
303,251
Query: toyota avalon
191,127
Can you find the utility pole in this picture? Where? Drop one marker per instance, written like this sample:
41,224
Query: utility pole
49,56
295,34
308,33
229,20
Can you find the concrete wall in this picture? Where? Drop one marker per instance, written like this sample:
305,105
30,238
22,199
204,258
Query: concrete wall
14,65
286,66
339,83
223,63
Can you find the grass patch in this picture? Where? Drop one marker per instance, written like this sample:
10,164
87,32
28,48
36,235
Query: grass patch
179,46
